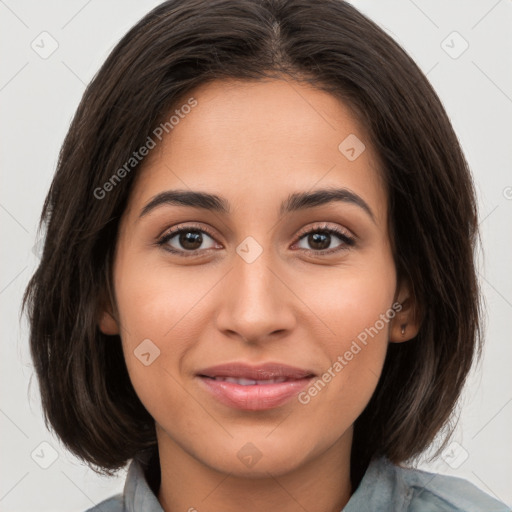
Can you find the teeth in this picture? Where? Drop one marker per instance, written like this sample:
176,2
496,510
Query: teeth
243,382
250,382
271,381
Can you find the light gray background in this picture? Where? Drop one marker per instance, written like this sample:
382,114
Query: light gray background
38,98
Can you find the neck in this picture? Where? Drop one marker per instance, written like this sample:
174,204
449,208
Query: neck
322,483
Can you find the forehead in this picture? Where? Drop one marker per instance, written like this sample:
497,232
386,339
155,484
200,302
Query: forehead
255,142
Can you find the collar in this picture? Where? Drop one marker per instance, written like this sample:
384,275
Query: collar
138,495
378,488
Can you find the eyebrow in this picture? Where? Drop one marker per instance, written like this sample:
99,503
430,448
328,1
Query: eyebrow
294,202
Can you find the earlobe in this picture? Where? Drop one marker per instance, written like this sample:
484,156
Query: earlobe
108,324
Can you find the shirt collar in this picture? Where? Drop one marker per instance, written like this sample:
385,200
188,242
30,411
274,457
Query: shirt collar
137,492
378,488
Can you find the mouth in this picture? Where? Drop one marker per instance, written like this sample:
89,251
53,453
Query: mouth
242,386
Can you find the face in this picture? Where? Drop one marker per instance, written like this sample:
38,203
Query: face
258,280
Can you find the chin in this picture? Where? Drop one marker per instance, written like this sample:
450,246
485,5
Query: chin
257,458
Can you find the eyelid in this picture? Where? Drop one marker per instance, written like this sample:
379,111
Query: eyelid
325,226
187,226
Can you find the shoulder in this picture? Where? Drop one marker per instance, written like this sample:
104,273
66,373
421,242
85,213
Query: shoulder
112,504
434,492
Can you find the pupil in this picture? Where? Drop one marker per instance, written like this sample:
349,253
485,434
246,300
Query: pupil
191,240
319,238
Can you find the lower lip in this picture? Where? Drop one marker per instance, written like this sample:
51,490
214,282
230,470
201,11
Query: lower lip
255,397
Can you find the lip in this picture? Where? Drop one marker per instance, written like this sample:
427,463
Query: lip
254,397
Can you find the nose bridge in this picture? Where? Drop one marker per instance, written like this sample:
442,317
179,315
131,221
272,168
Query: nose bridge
256,302
253,284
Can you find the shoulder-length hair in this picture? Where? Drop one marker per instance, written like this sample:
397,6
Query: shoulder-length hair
87,395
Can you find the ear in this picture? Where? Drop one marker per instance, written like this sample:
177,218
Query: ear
107,322
407,321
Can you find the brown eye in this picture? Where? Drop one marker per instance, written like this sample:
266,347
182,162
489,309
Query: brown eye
321,239
187,240
190,240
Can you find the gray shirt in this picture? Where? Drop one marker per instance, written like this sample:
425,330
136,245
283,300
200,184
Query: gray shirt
384,487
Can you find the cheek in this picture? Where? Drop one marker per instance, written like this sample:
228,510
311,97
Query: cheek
352,301
151,316
165,306
356,308
154,300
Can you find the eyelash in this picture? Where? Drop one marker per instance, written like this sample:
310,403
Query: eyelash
347,240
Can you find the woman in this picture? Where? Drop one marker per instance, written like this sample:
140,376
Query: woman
258,280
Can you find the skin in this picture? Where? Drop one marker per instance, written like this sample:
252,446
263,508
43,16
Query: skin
254,143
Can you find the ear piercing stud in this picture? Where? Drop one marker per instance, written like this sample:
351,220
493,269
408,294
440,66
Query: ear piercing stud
403,328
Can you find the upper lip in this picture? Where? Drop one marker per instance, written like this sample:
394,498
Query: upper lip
260,372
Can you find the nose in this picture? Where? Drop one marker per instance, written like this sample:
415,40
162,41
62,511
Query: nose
256,303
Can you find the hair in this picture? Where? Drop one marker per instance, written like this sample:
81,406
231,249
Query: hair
86,392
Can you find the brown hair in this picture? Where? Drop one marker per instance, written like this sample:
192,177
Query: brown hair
87,395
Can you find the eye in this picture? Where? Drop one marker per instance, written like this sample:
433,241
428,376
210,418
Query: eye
187,239
321,238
